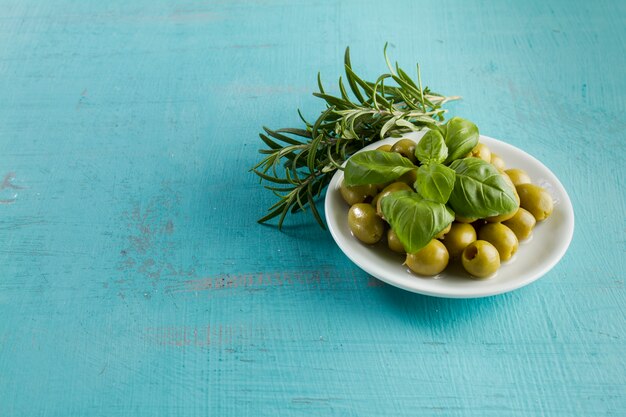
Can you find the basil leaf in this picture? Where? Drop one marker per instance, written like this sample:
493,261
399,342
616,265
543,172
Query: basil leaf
416,221
431,148
443,129
480,190
461,137
375,167
435,182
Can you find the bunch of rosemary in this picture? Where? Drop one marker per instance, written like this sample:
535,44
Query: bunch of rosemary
299,163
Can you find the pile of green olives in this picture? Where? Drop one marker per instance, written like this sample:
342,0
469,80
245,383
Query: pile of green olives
479,245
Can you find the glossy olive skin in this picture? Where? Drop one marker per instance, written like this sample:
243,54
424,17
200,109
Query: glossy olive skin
365,223
481,259
518,176
501,237
536,200
384,148
481,151
522,224
393,187
508,179
408,178
358,193
406,148
459,236
394,243
430,260
497,162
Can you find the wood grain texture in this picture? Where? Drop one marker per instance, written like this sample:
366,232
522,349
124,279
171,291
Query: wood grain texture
134,280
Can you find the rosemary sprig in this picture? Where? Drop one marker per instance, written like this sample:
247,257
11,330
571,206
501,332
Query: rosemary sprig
298,164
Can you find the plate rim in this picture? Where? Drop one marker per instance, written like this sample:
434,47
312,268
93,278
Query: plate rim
566,203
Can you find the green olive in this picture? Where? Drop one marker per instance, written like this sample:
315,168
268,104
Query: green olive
536,200
408,178
501,237
375,200
394,242
497,161
459,236
481,259
384,148
406,148
430,260
481,151
365,223
522,224
441,234
518,176
511,183
357,193
391,188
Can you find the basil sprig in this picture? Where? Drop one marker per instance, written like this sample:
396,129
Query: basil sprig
435,182
431,148
446,183
461,137
414,219
480,190
375,167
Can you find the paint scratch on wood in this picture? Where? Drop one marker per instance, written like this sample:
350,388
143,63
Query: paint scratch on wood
323,279
188,15
311,400
151,241
8,195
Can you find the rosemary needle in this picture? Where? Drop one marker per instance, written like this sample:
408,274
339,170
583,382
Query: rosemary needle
298,163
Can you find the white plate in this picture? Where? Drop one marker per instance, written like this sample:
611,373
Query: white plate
534,258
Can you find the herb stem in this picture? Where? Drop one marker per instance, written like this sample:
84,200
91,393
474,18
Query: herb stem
309,156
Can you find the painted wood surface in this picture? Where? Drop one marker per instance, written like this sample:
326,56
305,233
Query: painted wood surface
134,280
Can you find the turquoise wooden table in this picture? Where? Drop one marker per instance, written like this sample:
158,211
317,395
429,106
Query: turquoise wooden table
135,281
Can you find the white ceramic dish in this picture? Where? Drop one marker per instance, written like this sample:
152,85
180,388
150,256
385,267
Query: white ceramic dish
535,256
